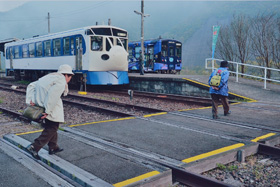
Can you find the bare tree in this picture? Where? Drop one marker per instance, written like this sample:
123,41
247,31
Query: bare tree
263,38
234,41
241,38
276,45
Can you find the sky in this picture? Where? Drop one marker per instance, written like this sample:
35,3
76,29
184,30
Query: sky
11,4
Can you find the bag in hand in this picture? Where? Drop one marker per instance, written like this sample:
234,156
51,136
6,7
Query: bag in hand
33,112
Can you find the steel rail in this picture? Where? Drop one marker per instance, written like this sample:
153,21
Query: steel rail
146,109
116,103
98,109
168,97
13,113
268,150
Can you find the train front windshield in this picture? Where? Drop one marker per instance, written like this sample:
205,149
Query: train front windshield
178,51
110,36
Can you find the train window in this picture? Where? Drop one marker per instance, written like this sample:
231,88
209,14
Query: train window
66,46
137,52
151,52
119,33
47,48
11,53
171,51
102,31
8,53
39,49
16,52
88,32
178,51
108,45
72,46
56,47
121,41
96,43
164,50
79,44
25,51
31,50
130,52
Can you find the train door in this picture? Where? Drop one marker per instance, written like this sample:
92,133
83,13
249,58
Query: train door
178,57
150,57
11,58
171,56
79,53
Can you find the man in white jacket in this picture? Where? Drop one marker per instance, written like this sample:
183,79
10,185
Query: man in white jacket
46,92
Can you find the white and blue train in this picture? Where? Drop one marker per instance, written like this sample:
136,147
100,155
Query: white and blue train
97,54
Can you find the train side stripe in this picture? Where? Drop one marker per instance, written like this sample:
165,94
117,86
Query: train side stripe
211,153
135,179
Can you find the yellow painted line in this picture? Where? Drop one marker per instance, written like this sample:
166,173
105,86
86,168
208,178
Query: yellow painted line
156,114
135,179
30,132
263,137
196,82
120,119
235,103
82,93
211,153
195,108
250,100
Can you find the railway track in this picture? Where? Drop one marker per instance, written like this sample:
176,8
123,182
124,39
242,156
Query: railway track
166,97
97,105
179,174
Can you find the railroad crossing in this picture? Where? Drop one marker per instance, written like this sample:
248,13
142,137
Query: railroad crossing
148,150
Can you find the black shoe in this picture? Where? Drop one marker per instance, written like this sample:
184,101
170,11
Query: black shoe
228,113
53,151
215,117
30,148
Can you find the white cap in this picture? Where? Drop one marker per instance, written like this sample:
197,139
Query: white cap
65,69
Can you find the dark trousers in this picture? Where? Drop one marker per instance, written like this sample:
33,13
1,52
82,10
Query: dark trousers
215,103
48,136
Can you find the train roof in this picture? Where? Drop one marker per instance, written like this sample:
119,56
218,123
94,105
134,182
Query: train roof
8,40
155,40
62,33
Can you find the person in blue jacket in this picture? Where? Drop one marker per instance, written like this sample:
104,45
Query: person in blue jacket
220,92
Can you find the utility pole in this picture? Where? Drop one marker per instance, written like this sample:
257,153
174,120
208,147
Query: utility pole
49,25
141,67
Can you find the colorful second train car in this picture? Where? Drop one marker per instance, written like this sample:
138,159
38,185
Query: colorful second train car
160,56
